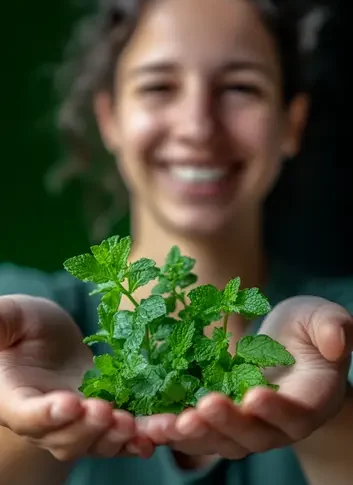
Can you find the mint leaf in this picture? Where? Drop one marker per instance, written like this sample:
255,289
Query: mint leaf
146,384
263,351
133,365
172,258
251,303
244,377
164,286
151,308
87,269
205,349
101,337
123,324
105,364
205,298
230,292
140,273
181,338
106,317
161,329
113,253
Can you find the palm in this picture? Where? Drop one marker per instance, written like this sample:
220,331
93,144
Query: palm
43,354
314,383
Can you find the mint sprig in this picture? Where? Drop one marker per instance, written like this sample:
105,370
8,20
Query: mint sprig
159,358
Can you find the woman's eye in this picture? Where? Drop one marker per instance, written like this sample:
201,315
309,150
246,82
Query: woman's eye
242,88
157,88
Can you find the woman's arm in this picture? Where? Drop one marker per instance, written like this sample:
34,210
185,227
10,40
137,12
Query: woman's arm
23,464
327,455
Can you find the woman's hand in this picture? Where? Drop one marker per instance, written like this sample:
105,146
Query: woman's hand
320,336
42,362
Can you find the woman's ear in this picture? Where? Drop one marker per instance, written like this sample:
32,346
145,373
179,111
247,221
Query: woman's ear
103,106
297,117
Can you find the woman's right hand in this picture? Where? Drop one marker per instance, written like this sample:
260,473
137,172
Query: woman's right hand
42,362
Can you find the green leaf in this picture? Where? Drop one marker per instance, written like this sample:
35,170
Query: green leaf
200,393
213,377
146,384
101,337
123,324
105,364
170,303
230,292
134,365
113,253
187,264
106,317
173,256
140,273
164,286
163,328
263,351
86,268
181,339
205,349
206,298
244,377
103,288
150,309
144,406
189,280
180,363
251,303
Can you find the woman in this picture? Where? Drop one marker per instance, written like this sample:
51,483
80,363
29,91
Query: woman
200,108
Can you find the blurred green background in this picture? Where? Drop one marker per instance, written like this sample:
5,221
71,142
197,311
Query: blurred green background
36,230
312,227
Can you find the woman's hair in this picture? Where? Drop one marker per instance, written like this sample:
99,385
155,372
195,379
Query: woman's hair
90,68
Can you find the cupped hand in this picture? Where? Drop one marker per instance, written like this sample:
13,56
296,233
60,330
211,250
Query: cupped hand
319,334
42,362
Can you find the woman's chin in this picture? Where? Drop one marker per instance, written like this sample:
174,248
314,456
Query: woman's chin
196,223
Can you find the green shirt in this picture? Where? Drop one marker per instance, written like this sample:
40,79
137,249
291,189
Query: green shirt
277,467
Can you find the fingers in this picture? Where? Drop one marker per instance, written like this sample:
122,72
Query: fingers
32,414
190,434
288,418
201,437
74,440
231,421
331,331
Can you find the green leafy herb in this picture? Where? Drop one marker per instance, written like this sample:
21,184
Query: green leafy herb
160,359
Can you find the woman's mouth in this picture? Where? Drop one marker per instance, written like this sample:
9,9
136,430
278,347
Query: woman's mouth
199,181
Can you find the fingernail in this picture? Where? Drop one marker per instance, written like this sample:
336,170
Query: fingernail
59,415
133,449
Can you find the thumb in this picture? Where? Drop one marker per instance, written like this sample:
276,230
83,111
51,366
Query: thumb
11,320
330,328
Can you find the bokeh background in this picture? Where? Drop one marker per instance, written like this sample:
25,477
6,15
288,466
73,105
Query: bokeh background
310,219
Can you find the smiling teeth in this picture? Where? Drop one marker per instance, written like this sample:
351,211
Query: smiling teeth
198,174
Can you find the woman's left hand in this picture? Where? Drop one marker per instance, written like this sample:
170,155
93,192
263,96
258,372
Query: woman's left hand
319,334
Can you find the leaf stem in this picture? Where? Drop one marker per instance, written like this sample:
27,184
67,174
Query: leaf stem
127,294
179,297
225,322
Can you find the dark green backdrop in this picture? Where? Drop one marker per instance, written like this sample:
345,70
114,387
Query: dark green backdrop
36,230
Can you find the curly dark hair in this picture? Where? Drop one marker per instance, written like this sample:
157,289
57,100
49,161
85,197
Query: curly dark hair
89,68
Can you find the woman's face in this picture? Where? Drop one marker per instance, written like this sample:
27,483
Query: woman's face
198,124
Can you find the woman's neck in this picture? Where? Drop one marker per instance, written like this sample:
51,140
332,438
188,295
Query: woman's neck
236,252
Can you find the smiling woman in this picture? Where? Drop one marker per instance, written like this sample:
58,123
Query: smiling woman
199,102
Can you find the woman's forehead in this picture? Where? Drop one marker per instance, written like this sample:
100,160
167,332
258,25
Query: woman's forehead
205,31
